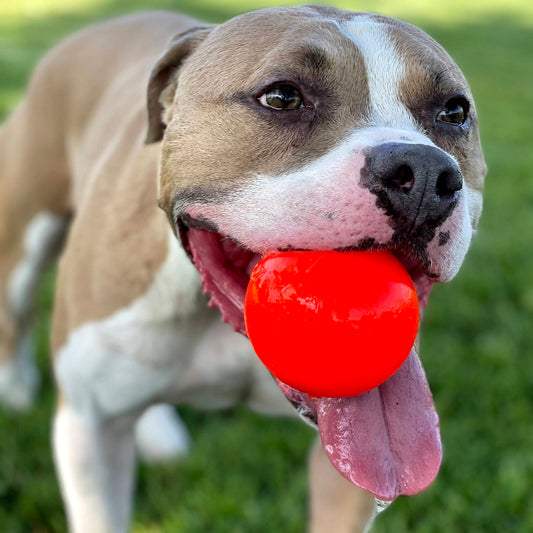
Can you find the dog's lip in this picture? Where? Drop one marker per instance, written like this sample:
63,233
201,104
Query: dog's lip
186,221
225,268
422,279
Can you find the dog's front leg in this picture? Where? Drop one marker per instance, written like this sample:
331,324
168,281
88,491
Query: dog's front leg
95,460
335,503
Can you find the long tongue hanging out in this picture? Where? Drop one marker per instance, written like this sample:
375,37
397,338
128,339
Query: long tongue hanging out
387,440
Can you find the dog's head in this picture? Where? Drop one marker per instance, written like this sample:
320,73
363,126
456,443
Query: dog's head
314,128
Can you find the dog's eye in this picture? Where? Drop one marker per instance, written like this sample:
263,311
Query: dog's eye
282,97
455,112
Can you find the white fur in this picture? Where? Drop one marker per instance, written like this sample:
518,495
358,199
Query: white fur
474,201
160,435
324,206
42,235
224,370
19,379
158,348
102,364
108,371
95,463
453,253
384,68
320,206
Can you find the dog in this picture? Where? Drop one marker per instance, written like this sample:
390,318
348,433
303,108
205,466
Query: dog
164,157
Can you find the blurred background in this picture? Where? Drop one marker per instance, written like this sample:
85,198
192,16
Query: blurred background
247,473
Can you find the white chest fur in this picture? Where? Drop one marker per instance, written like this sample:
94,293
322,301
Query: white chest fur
165,346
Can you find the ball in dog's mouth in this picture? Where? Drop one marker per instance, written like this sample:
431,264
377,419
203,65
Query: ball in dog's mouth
386,440
331,323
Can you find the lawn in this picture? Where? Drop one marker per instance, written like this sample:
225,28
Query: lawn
247,473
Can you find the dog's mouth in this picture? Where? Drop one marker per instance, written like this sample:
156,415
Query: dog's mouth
387,440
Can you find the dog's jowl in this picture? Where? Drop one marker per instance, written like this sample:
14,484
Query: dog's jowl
176,162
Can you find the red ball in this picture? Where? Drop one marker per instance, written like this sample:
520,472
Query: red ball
331,324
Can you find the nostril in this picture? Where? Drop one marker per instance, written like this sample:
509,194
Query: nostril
448,183
403,177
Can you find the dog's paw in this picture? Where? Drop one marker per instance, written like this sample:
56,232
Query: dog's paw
160,435
19,379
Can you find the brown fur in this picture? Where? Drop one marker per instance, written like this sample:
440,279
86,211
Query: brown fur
275,150
108,159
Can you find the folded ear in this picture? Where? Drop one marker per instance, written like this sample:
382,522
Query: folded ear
164,79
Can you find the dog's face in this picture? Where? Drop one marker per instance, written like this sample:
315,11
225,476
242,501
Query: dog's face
314,128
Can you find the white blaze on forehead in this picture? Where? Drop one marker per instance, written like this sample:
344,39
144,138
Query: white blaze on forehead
385,70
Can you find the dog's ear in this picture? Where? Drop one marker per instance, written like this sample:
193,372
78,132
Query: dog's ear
164,79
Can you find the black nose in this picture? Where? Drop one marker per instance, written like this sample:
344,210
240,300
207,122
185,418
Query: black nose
414,183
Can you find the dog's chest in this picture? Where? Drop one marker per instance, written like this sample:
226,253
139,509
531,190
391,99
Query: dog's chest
165,345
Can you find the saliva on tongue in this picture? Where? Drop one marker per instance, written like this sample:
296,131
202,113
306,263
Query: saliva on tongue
386,440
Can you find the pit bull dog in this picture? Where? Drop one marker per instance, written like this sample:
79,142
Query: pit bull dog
286,128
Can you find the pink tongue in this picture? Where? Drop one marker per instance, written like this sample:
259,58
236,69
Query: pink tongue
387,440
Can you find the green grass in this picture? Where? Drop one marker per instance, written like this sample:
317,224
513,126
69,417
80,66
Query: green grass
247,473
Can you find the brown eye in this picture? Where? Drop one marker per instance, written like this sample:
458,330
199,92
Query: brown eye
282,97
455,112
